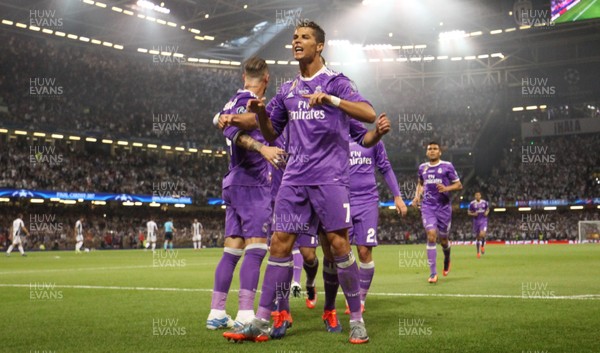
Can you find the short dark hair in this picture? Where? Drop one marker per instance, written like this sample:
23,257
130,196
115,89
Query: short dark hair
433,143
319,32
255,67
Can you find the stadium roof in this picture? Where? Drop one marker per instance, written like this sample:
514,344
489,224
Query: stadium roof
237,29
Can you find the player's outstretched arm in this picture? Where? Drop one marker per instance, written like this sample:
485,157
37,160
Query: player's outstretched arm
257,106
272,154
245,121
382,127
360,111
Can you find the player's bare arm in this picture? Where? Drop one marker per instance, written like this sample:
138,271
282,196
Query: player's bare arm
272,154
452,187
400,206
245,121
257,106
416,202
473,214
360,111
381,128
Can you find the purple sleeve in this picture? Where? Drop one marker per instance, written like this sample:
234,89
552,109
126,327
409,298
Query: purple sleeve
278,113
471,207
231,132
357,131
342,87
420,175
452,176
385,168
487,205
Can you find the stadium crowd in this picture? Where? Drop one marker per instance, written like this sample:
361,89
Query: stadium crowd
68,166
55,229
167,101
452,116
122,230
51,85
544,168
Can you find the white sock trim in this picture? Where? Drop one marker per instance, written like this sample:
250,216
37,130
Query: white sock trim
281,264
432,247
262,246
348,262
367,265
233,251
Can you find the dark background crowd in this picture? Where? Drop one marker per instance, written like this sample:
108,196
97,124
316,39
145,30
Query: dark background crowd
110,94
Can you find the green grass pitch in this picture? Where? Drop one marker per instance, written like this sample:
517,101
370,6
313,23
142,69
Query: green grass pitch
585,10
126,301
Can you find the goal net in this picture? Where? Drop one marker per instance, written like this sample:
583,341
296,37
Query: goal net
589,231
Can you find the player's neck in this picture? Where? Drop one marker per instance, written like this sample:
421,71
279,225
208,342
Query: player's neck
256,86
309,69
257,89
434,161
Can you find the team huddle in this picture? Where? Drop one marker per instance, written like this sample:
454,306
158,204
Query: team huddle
302,174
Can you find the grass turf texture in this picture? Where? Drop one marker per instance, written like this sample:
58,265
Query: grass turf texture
121,320
581,11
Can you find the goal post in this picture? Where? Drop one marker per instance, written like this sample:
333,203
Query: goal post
589,231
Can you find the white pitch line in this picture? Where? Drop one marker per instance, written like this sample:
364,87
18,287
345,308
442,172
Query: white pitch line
584,10
73,269
450,295
108,268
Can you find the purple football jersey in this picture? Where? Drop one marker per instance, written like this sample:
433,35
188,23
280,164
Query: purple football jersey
277,174
363,185
318,137
480,208
430,175
246,168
